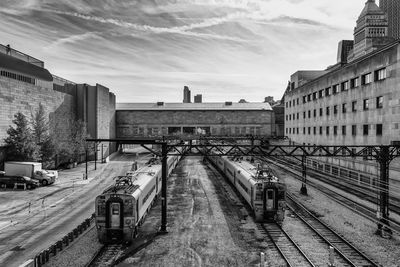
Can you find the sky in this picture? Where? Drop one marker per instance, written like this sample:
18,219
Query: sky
148,50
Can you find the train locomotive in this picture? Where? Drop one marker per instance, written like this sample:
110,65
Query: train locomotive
262,190
122,207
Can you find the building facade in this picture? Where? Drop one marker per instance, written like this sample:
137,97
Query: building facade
230,119
355,103
392,9
24,83
186,95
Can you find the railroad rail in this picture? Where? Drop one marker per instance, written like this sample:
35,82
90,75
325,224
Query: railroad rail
358,208
106,256
284,245
348,254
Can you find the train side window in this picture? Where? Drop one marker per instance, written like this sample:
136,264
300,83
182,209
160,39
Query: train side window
101,210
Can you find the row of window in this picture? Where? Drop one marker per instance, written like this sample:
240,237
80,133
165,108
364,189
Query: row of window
365,79
153,188
18,77
335,129
335,110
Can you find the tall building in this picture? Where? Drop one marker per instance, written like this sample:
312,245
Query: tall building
371,31
392,9
198,98
355,103
186,95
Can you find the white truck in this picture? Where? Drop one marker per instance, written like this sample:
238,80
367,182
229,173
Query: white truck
30,169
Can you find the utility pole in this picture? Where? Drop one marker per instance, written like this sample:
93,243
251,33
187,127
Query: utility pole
163,229
384,161
303,189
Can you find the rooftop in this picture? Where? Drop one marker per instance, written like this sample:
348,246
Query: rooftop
193,106
22,56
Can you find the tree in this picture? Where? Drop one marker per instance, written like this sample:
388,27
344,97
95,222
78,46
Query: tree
20,144
43,139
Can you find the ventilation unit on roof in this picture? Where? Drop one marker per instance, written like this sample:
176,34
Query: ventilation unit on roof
228,103
160,103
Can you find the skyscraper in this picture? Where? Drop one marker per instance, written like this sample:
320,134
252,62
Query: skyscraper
198,98
392,9
186,95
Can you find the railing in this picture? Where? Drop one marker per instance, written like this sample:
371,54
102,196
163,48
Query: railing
17,54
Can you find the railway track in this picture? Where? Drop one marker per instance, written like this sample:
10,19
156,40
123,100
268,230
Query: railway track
283,246
363,210
346,253
106,256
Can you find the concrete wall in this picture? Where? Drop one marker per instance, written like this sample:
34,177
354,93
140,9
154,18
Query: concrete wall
238,122
18,96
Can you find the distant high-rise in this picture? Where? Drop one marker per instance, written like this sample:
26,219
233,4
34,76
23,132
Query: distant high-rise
198,98
371,31
186,95
392,9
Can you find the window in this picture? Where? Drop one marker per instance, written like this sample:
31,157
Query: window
321,93
320,130
309,130
290,117
287,117
315,113
380,74
294,103
287,104
366,78
304,99
297,115
309,113
353,130
344,130
327,91
355,82
365,104
290,104
314,96
379,129
335,89
335,109
321,112
365,129
379,102
304,115
327,111
304,130
344,108
297,100
335,130
354,106
308,97
327,130
315,130
345,86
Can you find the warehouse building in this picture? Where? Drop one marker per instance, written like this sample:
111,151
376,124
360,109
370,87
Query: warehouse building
227,118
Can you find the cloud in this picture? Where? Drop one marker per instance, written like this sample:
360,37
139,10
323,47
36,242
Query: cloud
73,38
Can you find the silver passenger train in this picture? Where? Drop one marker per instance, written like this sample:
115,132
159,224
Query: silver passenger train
262,190
122,207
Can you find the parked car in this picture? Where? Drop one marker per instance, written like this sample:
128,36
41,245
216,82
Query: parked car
14,181
30,169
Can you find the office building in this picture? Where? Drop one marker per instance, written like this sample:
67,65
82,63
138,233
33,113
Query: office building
392,9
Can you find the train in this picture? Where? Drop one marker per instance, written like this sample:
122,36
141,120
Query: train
122,207
257,185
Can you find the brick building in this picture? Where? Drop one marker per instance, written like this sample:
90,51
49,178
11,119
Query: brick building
24,83
231,119
354,103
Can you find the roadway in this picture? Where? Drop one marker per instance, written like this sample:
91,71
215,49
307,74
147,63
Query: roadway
31,221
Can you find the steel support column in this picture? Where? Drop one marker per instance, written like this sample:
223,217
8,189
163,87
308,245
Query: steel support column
384,161
86,160
95,156
303,189
164,153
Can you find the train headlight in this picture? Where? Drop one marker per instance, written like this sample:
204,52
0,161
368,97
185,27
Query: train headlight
128,221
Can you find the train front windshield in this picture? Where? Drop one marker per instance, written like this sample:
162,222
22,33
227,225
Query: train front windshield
115,215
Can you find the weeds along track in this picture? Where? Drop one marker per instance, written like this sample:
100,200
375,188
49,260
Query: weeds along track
345,252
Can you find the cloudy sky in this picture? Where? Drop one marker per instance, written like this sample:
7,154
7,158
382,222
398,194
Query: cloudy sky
147,50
